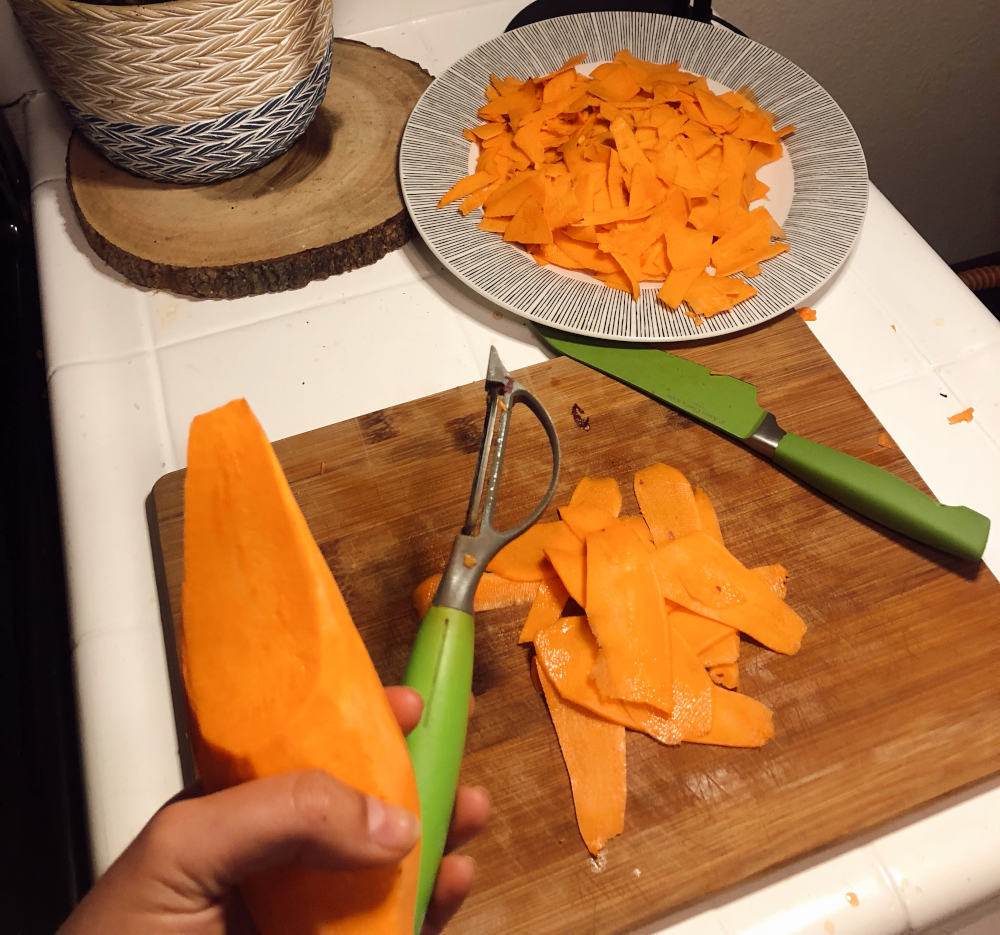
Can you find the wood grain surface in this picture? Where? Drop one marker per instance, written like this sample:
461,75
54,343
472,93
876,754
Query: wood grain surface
330,204
893,700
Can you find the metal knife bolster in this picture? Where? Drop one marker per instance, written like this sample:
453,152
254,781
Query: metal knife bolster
766,438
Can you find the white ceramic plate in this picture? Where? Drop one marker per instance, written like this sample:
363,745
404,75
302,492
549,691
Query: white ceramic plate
819,190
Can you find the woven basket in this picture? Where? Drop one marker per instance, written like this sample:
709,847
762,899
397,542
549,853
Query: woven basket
185,90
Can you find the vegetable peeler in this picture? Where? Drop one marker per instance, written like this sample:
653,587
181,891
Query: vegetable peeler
440,665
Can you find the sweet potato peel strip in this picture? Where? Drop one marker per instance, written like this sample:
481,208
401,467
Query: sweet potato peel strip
654,643
636,173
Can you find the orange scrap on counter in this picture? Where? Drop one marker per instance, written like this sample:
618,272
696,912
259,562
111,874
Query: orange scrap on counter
637,172
964,416
806,313
635,623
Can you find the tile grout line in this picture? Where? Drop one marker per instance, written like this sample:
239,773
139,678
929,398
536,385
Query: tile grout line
178,342
156,346
27,103
931,368
890,881
163,427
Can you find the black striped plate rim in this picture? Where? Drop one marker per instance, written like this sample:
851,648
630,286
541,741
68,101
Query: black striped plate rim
827,208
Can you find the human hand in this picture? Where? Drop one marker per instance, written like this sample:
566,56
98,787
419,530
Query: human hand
181,872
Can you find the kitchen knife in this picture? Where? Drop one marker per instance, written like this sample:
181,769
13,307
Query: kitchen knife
730,405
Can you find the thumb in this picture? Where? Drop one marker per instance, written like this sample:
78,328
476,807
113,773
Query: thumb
305,817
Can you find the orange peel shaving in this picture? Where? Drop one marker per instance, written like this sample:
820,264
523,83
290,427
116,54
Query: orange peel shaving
635,173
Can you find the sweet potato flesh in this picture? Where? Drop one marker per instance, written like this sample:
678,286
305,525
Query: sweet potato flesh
277,676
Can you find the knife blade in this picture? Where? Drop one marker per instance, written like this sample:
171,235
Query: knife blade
731,406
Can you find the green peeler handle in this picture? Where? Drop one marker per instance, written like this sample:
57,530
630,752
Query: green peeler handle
885,498
440,668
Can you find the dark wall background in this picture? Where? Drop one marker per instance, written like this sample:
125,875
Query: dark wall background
44,852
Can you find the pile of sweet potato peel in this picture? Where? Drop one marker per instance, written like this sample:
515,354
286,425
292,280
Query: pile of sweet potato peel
637,172
636,623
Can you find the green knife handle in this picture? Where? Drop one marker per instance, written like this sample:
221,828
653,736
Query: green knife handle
440,668
885,498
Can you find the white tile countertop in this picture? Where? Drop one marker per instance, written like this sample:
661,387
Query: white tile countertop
129,368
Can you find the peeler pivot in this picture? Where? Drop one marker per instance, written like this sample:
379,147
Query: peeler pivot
440,665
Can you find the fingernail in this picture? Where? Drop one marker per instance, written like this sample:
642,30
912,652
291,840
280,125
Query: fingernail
391,827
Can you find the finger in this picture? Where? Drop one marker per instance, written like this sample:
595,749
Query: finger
454,880
307,817
192,791
472,811
406,704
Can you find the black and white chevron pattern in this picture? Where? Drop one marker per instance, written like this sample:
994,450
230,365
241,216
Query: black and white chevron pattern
212,150
827,206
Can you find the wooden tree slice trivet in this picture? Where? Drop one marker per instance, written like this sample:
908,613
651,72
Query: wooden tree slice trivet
330,204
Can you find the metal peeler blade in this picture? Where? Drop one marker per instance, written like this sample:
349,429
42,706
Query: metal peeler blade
479,540
440,665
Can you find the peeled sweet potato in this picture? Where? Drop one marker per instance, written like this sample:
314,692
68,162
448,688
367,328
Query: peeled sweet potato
277,676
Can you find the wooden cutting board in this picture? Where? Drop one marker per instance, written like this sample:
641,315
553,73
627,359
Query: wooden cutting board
893,700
